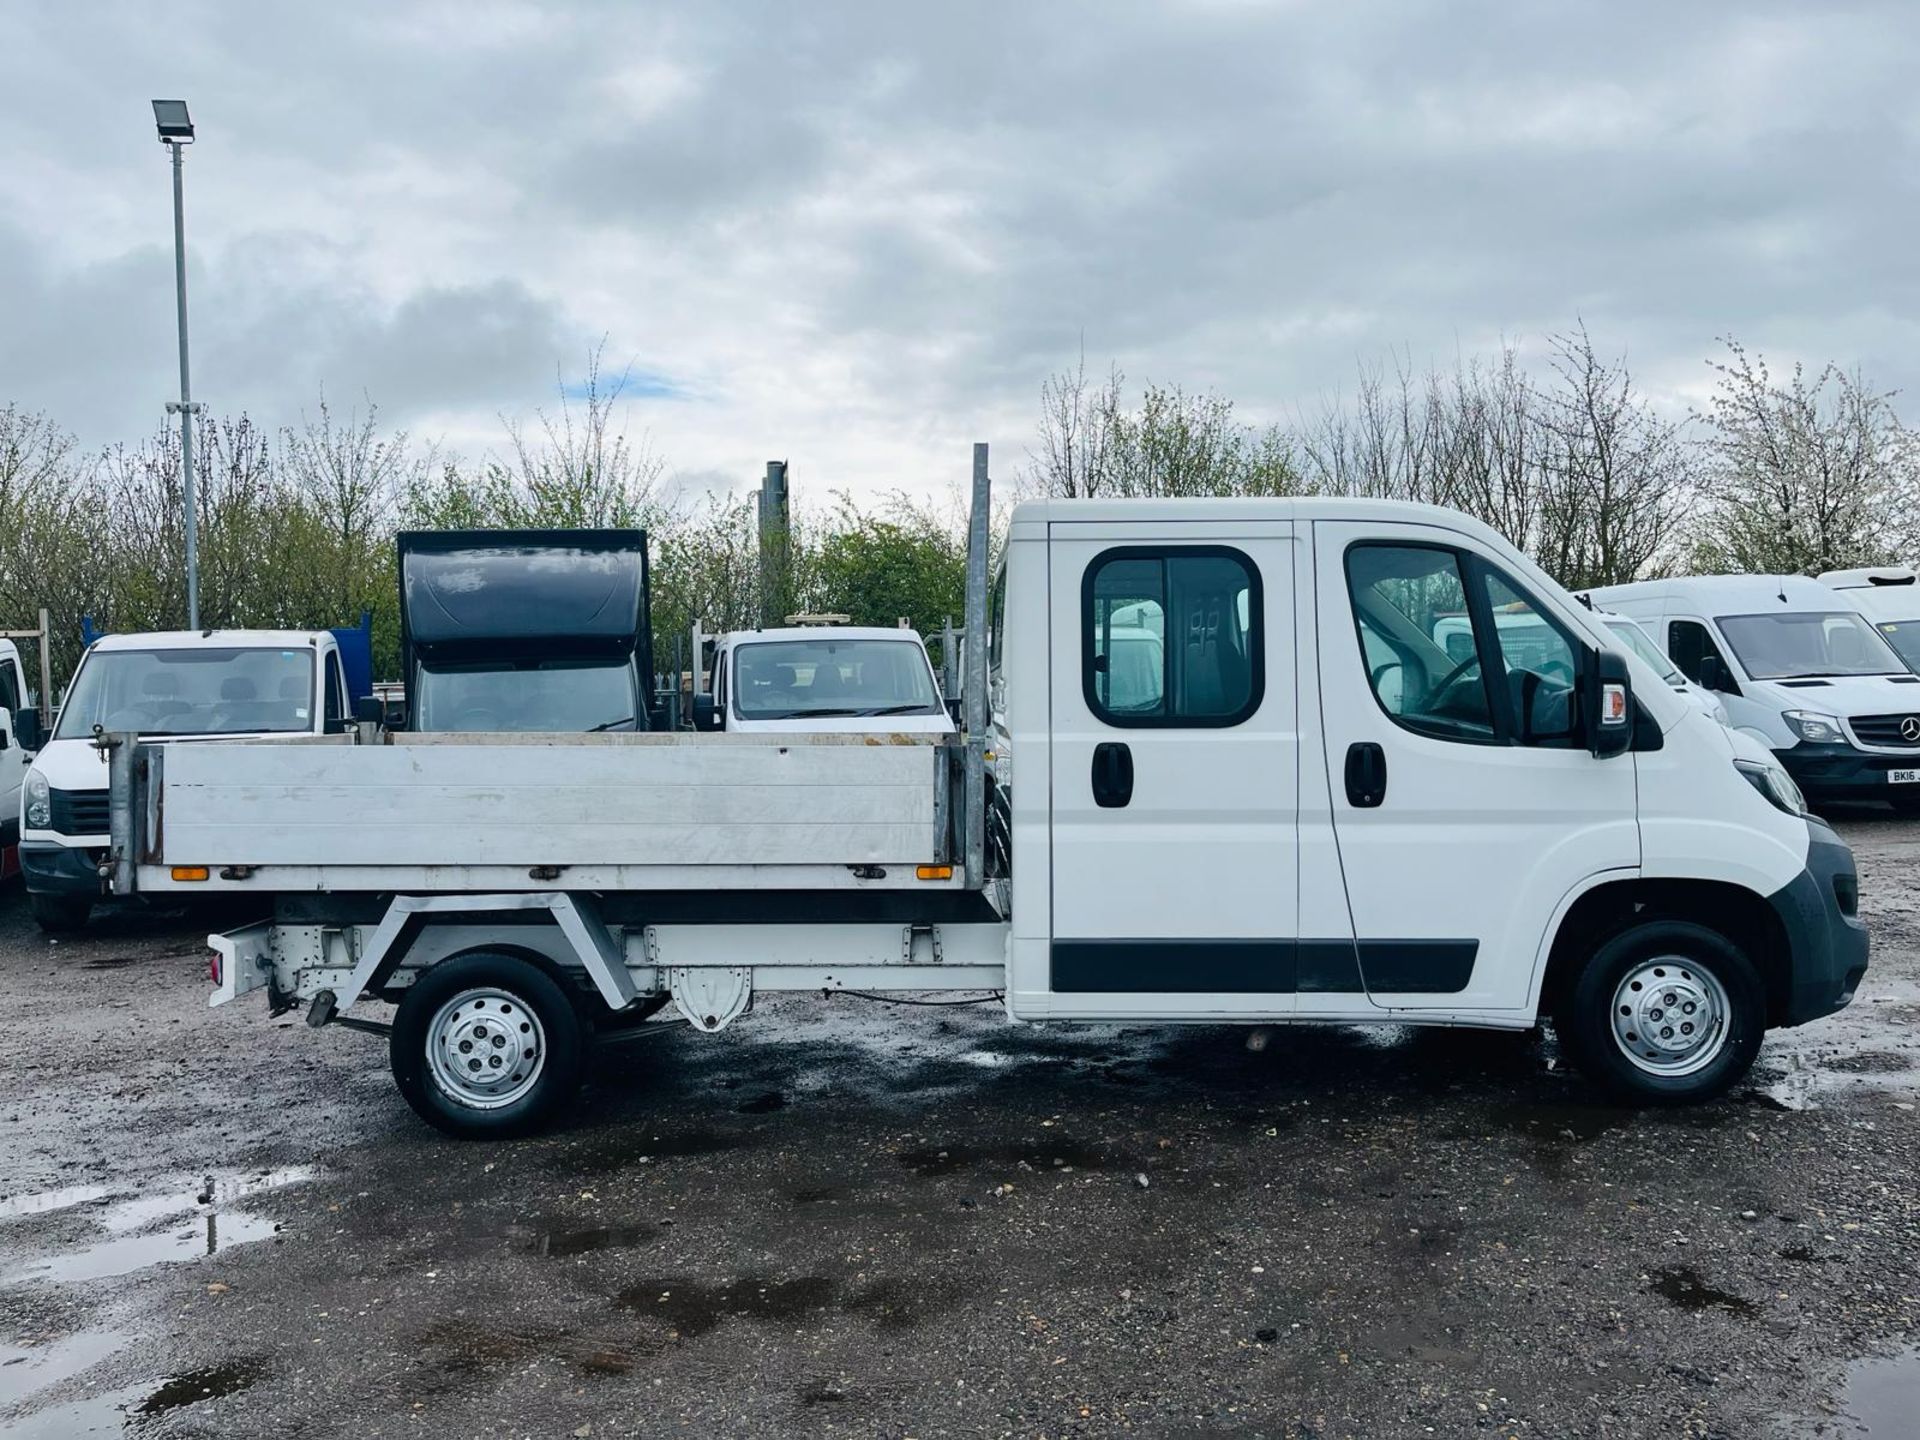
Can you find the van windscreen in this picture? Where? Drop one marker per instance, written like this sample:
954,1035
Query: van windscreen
1803,645
191,690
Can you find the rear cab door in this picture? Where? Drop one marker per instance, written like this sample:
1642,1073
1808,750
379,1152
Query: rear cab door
1174,769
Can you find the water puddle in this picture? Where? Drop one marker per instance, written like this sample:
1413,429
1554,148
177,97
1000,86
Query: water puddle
559,1244
179,1219
1879,1396
213,1382
43,1201
1682,1286
25,1372
691,1309
104,1414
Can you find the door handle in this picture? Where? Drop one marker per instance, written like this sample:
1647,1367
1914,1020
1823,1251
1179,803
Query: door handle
1366,774
1112,775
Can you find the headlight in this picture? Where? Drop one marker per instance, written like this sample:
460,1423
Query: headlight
39,802
1814,727
1774,783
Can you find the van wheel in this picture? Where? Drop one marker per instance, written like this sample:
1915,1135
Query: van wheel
1664,1013
486,1046
60,914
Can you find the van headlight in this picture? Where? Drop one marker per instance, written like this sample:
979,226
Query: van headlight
39,802
1774,783
1814,728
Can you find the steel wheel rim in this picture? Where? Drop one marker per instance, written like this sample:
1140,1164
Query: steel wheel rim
486,1048
1670,1016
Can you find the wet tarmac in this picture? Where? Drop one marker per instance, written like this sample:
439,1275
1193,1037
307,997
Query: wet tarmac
847,1219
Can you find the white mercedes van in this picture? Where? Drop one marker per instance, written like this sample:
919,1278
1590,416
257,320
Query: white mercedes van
1800,668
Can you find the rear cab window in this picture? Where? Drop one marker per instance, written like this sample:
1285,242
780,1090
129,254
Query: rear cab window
1170,636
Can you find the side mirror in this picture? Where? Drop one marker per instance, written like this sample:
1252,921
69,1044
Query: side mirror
26,729
370,710
705,716
1608,704
1715,676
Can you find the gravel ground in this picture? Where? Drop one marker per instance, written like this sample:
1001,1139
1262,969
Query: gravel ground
842,1219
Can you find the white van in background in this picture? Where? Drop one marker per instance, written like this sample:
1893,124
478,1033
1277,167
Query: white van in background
823,679
17,743
1800,668
176,685
1890,597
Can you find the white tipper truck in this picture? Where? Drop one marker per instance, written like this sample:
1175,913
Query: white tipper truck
1311,812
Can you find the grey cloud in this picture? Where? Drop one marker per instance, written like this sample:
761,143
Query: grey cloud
930,207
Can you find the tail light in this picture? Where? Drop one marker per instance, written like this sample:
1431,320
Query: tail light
213,966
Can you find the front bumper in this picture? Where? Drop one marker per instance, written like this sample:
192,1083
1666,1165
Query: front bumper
59,869
1827,941
1840,772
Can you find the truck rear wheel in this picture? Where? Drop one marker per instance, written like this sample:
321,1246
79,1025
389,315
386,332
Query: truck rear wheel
1664,1013
60,914
486,1046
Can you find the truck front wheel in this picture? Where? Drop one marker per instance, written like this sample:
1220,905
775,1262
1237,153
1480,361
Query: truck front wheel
486,1046
60,914
1664,1013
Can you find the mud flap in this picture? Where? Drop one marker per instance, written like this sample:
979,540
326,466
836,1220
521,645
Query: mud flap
243,962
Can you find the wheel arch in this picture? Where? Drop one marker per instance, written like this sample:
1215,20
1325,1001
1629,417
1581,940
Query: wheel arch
1743,916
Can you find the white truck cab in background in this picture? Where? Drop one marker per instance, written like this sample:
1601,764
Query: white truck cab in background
1889,596
167,685
823,679
1800,669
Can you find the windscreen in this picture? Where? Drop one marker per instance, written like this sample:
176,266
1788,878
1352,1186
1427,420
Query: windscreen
1635,639
797,679
533,696
1904,636
1806,644
224,691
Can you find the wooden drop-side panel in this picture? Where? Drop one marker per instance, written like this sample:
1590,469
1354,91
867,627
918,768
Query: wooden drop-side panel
546,804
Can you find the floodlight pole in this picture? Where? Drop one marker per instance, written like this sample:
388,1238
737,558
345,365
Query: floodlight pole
184,406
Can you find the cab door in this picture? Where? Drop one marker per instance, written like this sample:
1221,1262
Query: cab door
1467,807
13,759
1175,769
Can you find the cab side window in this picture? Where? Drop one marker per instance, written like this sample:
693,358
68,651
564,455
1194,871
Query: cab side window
1539,664
1172,637
1457,650
336,691
1690,645
9,689
1417,640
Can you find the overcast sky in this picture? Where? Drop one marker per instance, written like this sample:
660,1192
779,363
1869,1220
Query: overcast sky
860,235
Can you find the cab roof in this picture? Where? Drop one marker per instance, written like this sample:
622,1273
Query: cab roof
215,640
1730,594
821,632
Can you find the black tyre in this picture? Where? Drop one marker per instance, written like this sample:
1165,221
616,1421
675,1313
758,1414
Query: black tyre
60,914
1664,1013
486,1047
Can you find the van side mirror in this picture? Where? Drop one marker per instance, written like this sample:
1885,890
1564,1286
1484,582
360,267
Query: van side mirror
1714,675
370,710
26,728
1608,703
705,716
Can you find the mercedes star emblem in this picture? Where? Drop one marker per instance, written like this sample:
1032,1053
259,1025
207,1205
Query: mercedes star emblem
1910,729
